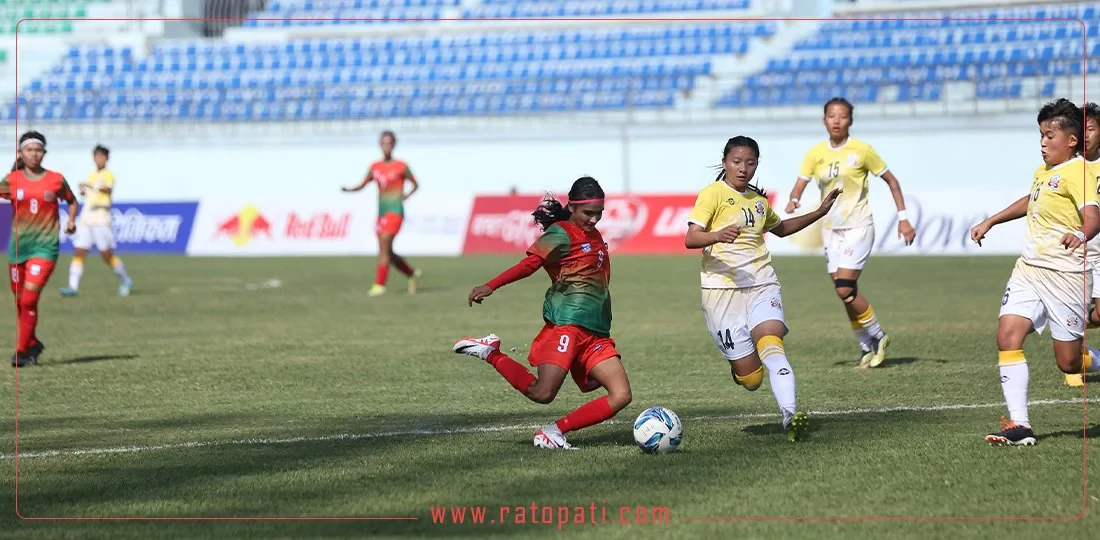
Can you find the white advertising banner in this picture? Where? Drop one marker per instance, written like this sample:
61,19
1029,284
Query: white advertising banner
336,225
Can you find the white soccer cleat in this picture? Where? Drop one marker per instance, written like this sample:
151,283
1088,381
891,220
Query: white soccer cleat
480,348
551,437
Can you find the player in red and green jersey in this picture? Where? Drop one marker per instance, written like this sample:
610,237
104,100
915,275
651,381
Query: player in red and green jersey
576,338
390,175
34,193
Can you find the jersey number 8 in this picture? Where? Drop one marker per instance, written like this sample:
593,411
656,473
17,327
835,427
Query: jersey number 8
34,206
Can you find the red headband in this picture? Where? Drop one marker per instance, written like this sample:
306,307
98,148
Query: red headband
586,201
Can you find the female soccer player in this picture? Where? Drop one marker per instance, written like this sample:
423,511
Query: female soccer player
391,175
32,252
1048,280
577,311
742,304
95,227
844,162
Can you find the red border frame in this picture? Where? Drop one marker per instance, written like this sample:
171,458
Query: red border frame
1085,52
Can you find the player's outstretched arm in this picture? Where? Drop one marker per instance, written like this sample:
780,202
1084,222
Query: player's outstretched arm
524,269
905,229
363,184
790,226
1014,211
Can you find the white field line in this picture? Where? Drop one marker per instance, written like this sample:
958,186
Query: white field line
424,432
227,286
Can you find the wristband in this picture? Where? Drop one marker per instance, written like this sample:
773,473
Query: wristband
902,216
1080,236
794,199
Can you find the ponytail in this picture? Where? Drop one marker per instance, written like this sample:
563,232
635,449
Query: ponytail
549,212
17,165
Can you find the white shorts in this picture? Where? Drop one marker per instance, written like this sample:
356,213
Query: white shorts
848,248
101,236
1049,298
1096,281
731,314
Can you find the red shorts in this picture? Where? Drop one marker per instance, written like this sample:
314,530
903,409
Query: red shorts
389,223
572,348
34,271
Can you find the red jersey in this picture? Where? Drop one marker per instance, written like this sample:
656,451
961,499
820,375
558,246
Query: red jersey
390,176
36,229
580,269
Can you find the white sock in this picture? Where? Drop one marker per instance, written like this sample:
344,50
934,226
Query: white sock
120,269
780,376
76,271
1094,360
869,322
862,337
1014,378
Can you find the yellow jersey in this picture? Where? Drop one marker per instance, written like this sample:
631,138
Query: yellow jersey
97,205
844,167
746,262
1092,251
1058,195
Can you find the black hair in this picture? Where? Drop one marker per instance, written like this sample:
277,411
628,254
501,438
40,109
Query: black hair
22,139
841,101
1092,110
739,141
1067,117
100,149
389,134
551,210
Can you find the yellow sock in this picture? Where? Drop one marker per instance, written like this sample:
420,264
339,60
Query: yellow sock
869,322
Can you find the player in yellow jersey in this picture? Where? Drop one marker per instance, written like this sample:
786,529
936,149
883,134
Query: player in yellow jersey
1052,278
95,227
742,304
843,162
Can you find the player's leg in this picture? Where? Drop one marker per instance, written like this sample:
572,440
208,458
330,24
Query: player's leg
1092,354
105,242
769,328
849,251
15,277
726,314
541,389
1022,313
35,276
599,364
382,271
82,243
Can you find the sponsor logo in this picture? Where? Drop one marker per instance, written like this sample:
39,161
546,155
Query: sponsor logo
1073,321
513,228
147,227
320,225
776,304
624,218
244,226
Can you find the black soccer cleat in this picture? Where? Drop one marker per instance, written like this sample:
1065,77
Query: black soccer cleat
23,360
1011,434
36,349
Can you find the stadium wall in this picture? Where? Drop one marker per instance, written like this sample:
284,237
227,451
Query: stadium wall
283,197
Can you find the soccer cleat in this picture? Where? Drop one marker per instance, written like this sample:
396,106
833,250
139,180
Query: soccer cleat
1011,434
23,360
36,350
69,293
125,288
414,281
377,290
1075,379
796,426
477,347
879,347
551,437
865,356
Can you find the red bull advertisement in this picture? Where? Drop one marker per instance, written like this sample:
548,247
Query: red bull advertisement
280,228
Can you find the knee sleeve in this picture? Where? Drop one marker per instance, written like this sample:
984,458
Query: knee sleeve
847,284
752,381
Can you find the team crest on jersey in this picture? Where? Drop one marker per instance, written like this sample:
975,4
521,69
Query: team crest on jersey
760,207
852,160
48,196
586,247
1054,182
34,269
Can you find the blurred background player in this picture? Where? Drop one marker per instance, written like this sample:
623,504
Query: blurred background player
95,227
34,193
1046,283
576,338
843,162
390,175
742,302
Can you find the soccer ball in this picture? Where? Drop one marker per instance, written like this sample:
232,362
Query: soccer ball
658,430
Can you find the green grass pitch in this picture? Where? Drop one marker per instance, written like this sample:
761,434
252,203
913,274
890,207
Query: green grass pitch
213,393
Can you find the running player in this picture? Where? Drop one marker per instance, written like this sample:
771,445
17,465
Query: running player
742,304
95,227
576,338
843,162
32,252
391,175
1048,282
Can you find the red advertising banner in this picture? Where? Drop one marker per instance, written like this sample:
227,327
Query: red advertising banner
631,223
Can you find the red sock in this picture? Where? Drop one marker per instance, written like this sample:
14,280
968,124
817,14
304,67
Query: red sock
382,275
28,319
589,414
403,267
515,373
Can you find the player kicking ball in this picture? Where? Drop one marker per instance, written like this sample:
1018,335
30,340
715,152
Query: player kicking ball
1047,282
95,227
576,338
742,303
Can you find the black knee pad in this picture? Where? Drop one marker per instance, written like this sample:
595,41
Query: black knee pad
847,284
